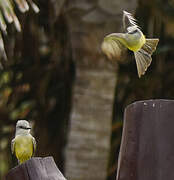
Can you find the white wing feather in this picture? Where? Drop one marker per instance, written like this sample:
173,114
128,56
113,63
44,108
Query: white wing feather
12,146
34,145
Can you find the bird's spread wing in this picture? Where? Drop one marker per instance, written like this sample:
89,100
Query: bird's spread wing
143,56
12,146
112,48
129,21
34,145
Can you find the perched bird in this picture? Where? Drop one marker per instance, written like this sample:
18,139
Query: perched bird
24,144
134,40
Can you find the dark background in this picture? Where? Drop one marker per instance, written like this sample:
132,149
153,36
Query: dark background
57,78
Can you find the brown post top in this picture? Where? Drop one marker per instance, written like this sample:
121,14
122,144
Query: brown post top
36,169
147,147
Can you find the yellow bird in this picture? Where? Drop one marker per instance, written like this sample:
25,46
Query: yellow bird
134,40
24,144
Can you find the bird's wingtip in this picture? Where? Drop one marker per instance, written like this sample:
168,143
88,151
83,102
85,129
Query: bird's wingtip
125,12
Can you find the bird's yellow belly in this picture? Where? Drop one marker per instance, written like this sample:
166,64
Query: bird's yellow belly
23,148
135,48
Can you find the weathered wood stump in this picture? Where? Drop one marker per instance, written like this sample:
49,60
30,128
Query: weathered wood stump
36,169
147,148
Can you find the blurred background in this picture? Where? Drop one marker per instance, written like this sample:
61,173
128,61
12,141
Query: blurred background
57,78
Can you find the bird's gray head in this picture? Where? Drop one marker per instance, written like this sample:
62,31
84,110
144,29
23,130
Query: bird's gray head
133,29
22,127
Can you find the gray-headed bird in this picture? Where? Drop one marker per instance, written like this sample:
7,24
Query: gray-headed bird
24,144
134,40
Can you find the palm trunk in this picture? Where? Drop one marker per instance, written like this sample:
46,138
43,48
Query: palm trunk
88,147
89,138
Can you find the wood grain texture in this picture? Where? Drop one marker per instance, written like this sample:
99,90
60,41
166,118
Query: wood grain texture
36,169
147,142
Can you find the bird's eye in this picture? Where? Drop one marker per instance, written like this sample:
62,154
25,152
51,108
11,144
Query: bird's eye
21,127
133,32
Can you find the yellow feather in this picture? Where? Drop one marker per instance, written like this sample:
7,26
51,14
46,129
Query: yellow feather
138,44
23,147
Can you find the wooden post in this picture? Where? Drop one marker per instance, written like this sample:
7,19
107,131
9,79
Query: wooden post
147,147
36,169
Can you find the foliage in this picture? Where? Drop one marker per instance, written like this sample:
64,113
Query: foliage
7,12
35,84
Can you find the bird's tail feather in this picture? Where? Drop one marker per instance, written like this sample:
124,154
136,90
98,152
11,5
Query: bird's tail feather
143,56
143,61
150,45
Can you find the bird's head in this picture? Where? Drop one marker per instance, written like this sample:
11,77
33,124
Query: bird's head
22,126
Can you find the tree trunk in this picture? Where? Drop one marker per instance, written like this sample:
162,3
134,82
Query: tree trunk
87,152
88,148
89,138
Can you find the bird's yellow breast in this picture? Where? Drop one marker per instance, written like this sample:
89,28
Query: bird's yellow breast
135,43
23,147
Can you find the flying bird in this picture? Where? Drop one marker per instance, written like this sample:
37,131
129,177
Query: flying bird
24,144
134,40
